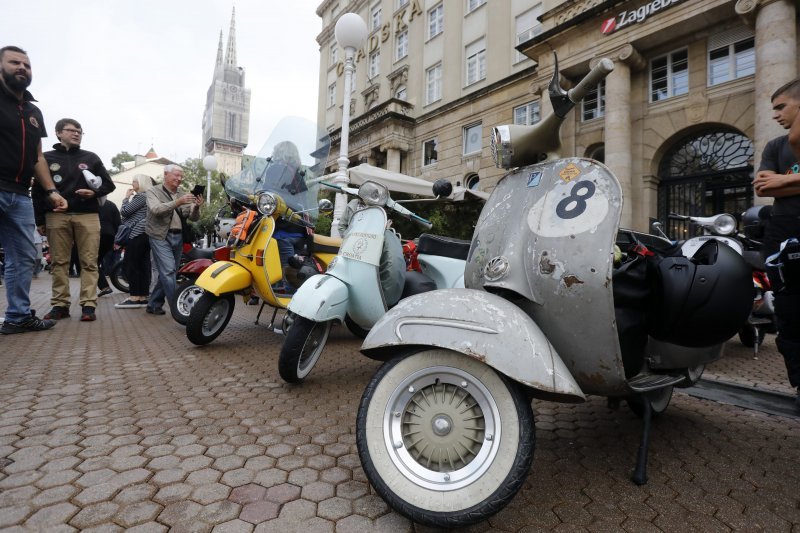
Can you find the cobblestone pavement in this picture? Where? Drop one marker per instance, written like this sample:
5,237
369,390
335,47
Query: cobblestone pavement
122,424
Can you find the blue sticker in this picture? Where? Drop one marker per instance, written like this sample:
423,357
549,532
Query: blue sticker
534,179
795,168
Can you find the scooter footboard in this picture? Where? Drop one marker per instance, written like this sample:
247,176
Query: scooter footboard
482,326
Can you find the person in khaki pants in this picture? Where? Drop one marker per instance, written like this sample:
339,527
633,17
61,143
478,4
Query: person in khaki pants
79,176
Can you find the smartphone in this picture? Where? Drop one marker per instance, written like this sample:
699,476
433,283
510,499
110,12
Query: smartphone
199,190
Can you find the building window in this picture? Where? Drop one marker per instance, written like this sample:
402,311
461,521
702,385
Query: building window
433,84
471,181
332,94
528,27
472,5
435,21
731,55
476,62
334,57
472,139
527,114
375,18
669,76
402,45
401,3
429,153
594,104
401,93
374,64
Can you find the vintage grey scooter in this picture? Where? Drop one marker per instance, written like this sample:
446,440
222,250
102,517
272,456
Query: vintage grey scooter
445,430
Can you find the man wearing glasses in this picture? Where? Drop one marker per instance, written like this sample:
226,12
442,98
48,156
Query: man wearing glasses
21,132
81,178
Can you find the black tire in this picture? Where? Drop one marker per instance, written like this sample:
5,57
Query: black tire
747,335
209,316
186,295
354,328
304,343
118,278
460,438
659,401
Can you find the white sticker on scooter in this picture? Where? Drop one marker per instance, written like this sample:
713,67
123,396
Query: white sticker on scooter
362,246
569,208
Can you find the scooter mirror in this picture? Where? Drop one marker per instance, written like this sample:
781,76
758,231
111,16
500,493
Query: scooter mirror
325,206
442,188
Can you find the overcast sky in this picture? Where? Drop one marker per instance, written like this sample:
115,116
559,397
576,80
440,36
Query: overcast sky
135,73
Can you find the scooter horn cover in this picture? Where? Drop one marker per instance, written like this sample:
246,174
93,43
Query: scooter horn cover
701,301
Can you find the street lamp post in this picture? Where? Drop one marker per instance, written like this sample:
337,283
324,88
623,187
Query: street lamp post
210,164
351,32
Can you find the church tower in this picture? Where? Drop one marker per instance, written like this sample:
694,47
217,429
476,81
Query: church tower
226,120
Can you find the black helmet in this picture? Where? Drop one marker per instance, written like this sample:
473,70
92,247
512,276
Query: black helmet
754,220
701,301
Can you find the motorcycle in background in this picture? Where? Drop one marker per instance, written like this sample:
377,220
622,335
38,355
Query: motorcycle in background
445,430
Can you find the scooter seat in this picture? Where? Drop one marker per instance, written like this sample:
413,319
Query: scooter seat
323,244
200,253
443,246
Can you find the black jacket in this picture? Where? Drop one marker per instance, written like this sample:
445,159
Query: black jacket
21,131
66,167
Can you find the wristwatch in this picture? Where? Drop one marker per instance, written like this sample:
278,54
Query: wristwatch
50,191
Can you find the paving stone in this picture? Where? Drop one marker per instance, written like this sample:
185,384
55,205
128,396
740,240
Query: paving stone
104,528
173,493
58,494
229,462
259,463
148,527
352,489
15,514
54,479
167,477
334,508
395,523
219,512
49,517
247,493
204,476
164,462
283,493
353,524
260,511
94,515
138,513
178,512
213,492
95,477
298,510
96,493
20,479
303,476
20,495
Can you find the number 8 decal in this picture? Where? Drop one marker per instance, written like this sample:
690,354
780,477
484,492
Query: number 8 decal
575,204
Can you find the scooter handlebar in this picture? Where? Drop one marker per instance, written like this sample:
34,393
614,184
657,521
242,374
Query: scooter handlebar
590,81
402,210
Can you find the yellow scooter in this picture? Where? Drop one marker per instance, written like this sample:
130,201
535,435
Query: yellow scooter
278,196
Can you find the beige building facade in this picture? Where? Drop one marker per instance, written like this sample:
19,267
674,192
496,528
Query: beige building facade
681,121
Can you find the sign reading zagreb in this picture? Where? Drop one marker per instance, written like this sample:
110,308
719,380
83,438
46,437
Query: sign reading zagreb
635,16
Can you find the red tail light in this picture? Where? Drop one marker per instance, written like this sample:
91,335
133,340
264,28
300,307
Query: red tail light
761,279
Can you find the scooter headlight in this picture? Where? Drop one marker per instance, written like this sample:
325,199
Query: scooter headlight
266,203
373,193
725,225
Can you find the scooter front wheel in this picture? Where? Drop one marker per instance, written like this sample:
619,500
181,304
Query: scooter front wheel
118,278
186,295
443,438
659,401
208,317
304,343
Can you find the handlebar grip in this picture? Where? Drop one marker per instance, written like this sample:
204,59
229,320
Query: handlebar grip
590,81
427,224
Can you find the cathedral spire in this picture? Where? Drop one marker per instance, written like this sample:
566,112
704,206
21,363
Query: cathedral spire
230,53
219,50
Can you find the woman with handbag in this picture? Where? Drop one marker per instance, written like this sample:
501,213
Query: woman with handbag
137,248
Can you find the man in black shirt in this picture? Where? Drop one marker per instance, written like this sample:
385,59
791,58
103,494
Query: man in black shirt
779,177
21,159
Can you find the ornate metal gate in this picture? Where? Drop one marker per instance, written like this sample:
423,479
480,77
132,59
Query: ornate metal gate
705,174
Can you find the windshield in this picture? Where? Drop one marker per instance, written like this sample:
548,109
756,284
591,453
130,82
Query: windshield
287,165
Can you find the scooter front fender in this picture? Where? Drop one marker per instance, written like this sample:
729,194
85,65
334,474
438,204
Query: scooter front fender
482,326
224,277
321,298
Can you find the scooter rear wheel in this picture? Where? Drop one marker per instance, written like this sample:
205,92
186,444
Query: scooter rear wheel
209,316
747,335
304,343
443,438
118,278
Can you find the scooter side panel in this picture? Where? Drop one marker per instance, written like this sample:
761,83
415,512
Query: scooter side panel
224,277
547,233
446,272
480,325
321,298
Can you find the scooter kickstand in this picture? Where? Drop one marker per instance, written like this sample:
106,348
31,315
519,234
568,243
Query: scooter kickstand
756,342
640,472
258,316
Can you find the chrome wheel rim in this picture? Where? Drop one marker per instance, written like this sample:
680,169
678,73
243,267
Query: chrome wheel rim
216,316
187,298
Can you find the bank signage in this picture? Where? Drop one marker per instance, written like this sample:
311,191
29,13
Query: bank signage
635,16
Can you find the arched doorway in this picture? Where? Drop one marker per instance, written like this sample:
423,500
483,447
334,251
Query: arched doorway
704,174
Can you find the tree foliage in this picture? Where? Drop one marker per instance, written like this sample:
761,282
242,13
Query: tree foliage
195,174
117,160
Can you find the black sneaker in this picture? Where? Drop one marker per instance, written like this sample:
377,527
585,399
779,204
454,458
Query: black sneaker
87,314
104,292
29,324
155,311
57,313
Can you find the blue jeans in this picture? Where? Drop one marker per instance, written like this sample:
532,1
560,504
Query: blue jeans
16,238
167,256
